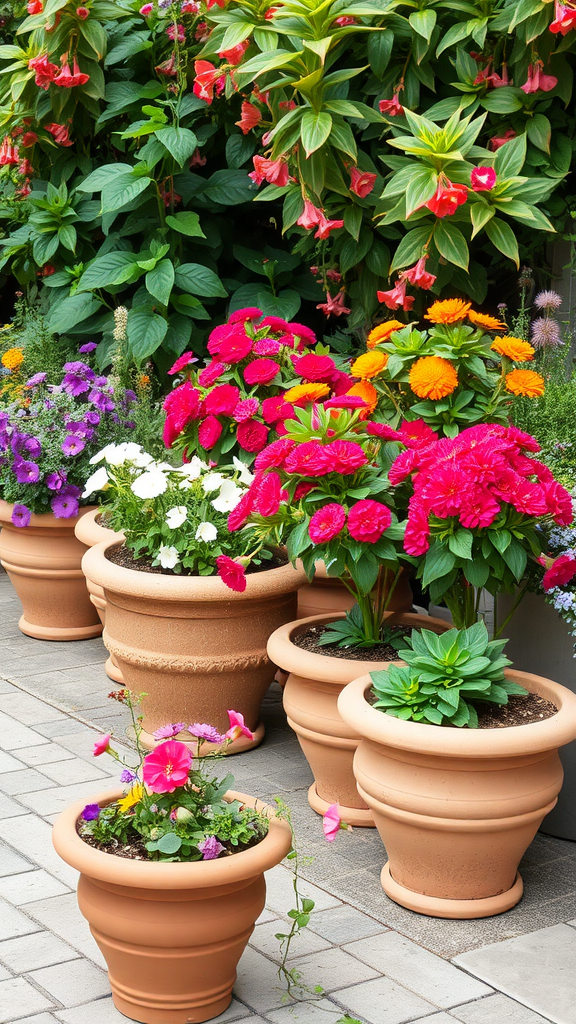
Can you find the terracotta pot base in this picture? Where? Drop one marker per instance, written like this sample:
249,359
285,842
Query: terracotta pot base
351,815
113,670
236,747
433,906
58,632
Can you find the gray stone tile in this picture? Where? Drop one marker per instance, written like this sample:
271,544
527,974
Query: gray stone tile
15,735
8,763
343,924
45,754
29,710
280,892
103,1011
438,1018
383,1002
38,1018
26,781
497,1008
33,836
73,982
59,729
536,969
30,886
18,998
12,863
419,970
62,916
29,952
13,922
5,973
333,969
263,939
67,773
55,799
322,1012
10,808
258,984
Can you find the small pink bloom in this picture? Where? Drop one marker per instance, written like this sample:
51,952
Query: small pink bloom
275,454
307,459
361,182
334,305
231,573
167,767
250,117
345,457
210,848
252,435
391,107
241,316
275,409
235,347
245,409
326,523
146,10
273,171
331,823
537,81
326,226
367,520
397,297
418,275
315,369
181,362
269,495
483,179
222,400
261,371
562,570
310,216
210,374
101,745
235,53
500,140
238,726
167,732
209,432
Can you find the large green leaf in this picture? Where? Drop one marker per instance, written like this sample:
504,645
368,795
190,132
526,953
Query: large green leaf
502,236
423,22
180,143
160,281
379,50
111,269
187,223
438,562
410,247
102,176
480,214
504,100
314,130
121,190
421,188
451,243
199,280
71,311
146,332
263,62
285,304
539,131
509,159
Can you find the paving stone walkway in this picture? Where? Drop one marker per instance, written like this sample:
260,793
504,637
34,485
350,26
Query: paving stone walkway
375,961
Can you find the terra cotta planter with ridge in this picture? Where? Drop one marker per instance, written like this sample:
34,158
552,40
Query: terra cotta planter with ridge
311,704
43,561
457,808
171,933
89,532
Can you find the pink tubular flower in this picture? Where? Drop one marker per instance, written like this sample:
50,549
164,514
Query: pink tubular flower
246,409
250,117
361,182
331,823
60,133
231,573
273,171
252,435
482,179
326,226
418,275
167,767
261,371
238,727
326,523
334,305
275,454
205,81
367,520
235,53
45,72
537,81
344,457
562,570
102,745
8,152
397,297
500,140
564,19
209,432
447,198
222,400
210,374
310,216
184,360
315,369
391,107
307,459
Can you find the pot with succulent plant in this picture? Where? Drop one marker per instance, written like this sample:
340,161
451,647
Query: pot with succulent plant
172,875
46,445
189,606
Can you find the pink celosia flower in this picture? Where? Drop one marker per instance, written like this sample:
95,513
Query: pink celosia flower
167,767
367,520
232,573
482,179
562,570
331,823
238,726
326,523
261,371
102,745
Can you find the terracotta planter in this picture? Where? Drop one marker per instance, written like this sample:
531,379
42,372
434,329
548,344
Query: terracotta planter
171,934
457,808
328,594
311,704
192,645
43,563
89,532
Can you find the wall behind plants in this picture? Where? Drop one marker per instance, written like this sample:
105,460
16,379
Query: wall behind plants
130,132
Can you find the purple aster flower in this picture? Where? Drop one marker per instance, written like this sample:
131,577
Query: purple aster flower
26,472
74,385
21,515
65,504
80,368
206,732
548,300
55,481
92,417
101,401
91,812
126,775
73,445
166,732
210,848
38,378
88,347
130,396
100,382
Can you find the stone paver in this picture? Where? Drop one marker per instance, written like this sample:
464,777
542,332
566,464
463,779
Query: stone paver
382,1001
29,952
69,982
496,1008
30,886
19,998
344,924
13,922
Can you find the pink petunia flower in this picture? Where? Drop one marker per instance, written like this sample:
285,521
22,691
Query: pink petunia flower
184,360
482,179
367,520
102,745
232,573
167,767
562,570
238,726
331,823
210,848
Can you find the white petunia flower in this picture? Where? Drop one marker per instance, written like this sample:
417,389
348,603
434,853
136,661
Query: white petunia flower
102,454
246,477
176,516
228,498
97,482
211,482
206,531
193,469
150,484
142,459
168,557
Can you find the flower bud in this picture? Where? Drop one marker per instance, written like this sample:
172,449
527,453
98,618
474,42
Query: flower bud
183,814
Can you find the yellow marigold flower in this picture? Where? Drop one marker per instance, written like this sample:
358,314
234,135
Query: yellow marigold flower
527,383
132,797
13,358
368,392
516,349
369,364
433,377
490,323
143,380
382,332
307,392
450,311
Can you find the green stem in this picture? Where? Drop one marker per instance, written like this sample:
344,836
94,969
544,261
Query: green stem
498,630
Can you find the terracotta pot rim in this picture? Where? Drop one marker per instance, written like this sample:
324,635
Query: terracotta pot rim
160,587
89,532
325,667
153,874
46,520
512,741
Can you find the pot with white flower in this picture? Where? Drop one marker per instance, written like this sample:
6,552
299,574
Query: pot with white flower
45,445
189,606
173,913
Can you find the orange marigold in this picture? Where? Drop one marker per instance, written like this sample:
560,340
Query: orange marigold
527,383
433,377
490,323
382,332
368,392
13,358
369,364
450,311
307,393
516,349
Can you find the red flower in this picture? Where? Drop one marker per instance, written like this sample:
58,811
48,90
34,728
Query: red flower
397,297
501,140
235,347
563,569
308,459
8,152
345,19
315,369
252,436
35,7
326,523
275,454
310,215
273,171
346,402
69,79
344,457
417,536
250,117
391,107
246,409
206,77
361,182
238,727
231,573
240,514
417,434
60,133
28,139
182,405
447,198
326,226
564,19
261,371
269,495
167,767
210,374
367,520
303,489
559,503
82,13
382,430
537,81
240,316
235,53
274,409
45,71
418,275
222,400
483,179
478,509
184,360
209,432
302,334
101,745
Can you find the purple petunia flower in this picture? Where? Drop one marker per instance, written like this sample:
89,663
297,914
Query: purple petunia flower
101,400
166,732
55,481
126,775
32,446
74,385
92,417
130,396
206,732
65,504
80,428
38,378
26,472
21,515
88,347
73,445
210,848
91,812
